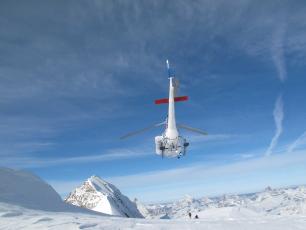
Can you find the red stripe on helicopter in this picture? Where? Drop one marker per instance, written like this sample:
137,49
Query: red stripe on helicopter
182,98
166,100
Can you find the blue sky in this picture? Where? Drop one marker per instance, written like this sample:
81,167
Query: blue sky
76,75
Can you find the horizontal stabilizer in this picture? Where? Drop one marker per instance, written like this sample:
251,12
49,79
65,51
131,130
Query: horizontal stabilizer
166,100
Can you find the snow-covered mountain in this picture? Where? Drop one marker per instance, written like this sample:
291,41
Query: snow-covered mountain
24,189
101,196
280,202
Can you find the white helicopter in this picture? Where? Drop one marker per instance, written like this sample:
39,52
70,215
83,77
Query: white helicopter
170,143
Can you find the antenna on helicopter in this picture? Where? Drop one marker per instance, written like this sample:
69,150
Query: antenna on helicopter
171,72
168,67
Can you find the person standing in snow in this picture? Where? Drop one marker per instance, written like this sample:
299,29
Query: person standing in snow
196,217
189,214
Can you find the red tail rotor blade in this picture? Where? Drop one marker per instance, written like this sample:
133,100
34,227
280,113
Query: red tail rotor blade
162,101
166,100
182,98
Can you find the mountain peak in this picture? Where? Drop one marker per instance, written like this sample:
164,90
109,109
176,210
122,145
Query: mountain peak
94,177
187,199
101,196
268,189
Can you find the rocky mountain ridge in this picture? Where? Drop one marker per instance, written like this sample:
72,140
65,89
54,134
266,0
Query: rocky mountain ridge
98,195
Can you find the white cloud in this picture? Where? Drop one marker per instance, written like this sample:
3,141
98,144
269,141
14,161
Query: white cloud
277,52
301,140
115,154
210,137
200,179
246,156
200,171
278,115
193,179
109,155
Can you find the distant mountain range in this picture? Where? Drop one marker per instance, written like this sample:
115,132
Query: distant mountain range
27,202
24,189
99,195
280,202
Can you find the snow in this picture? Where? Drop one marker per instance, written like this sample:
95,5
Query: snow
24,189
270,202
101,196
26,202
17,217
104,206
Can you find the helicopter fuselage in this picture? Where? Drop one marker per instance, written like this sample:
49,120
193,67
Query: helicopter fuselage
170,143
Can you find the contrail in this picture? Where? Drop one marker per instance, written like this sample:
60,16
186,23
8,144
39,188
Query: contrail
278,115
277,53
299,141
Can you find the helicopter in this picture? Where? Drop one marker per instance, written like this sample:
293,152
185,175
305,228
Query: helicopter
170,144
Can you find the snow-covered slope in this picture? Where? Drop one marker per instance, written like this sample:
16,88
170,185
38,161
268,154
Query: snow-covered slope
22,188
101,196
281,202
14,217
27,190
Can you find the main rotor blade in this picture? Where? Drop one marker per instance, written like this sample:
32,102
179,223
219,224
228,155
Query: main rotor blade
142,130
192,129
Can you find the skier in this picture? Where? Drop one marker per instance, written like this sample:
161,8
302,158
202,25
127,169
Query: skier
196,217
189,214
